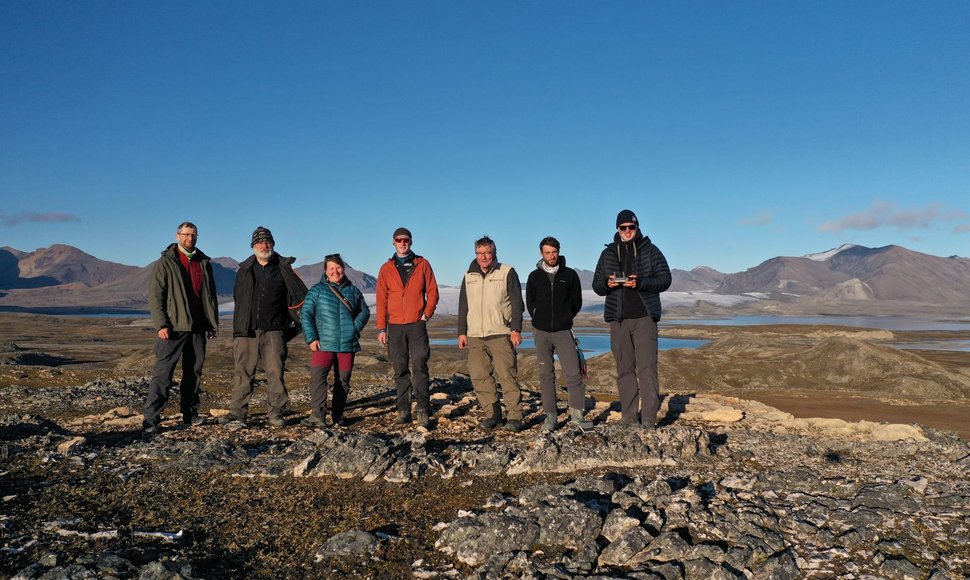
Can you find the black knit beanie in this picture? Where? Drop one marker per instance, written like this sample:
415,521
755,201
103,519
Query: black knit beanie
262,234
626,217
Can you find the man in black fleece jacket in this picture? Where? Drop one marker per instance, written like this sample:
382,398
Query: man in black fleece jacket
631,273
554,297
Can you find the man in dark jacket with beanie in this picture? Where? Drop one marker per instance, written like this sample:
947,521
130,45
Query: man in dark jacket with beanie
554,296
631,273
182,299
268,296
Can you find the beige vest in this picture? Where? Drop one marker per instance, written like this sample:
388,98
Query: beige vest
489,305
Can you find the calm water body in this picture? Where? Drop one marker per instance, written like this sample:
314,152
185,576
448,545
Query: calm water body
878,322
592,343
596,342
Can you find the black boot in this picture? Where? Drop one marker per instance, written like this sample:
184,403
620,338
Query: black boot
490,423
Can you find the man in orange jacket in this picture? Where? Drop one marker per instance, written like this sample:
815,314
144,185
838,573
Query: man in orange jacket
407,295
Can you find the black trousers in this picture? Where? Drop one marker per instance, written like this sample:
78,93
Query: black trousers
189,347
409,350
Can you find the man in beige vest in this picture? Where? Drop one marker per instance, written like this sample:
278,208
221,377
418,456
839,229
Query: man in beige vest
490,326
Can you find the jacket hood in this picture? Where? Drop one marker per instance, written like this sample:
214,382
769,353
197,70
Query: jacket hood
561,262
640,240
413,256
251,261
172,252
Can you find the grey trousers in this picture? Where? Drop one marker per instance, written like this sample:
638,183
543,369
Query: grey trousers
561,342
408,343
270,347
634,346
492,358
189,347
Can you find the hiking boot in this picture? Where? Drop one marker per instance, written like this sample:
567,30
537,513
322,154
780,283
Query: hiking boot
226,419
150,430
514,426
424,420
403,418
576,418
276,420
193,420
490,423
340,421
314,422
550,424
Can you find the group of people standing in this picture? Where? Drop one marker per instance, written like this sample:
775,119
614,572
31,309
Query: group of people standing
272,305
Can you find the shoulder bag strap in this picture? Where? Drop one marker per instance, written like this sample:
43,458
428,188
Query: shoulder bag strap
342,298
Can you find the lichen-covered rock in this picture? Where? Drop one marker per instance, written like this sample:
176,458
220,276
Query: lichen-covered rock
350,543
625,548
473,539
568,523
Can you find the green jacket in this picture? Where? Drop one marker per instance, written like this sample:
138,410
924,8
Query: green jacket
166,293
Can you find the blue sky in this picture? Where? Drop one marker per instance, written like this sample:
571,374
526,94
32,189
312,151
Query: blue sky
737,131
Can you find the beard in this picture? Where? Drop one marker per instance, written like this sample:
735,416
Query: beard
263,255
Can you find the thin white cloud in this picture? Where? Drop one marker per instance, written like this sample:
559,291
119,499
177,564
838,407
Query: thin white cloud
961,229
882,214
34,217
762,219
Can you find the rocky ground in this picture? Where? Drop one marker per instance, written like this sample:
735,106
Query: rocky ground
725,487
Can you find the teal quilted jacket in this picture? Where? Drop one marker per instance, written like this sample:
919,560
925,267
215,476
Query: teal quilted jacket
325,318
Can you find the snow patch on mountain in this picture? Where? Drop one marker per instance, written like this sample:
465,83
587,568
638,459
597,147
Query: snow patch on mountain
823,256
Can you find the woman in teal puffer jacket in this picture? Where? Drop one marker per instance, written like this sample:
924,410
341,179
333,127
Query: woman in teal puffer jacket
334,313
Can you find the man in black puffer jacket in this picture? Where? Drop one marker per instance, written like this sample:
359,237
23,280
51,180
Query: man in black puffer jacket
631,273
554,297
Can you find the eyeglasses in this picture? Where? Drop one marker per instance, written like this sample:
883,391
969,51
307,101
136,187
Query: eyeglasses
484,253
403,240
626,228
188,234
331,257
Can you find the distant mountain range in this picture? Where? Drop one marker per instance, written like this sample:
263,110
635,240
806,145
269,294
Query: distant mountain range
63,277
858,273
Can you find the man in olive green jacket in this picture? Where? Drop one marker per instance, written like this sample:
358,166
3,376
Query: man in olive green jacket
182,298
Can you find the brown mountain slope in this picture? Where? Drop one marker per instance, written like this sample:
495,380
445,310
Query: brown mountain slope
700,279
895,273
783,275
69,264
312,273
860,273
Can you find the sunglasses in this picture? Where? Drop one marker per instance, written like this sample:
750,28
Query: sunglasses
627,228
403,240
